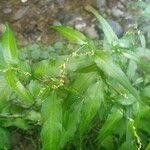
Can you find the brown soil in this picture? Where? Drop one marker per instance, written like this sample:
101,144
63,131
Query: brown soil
32,20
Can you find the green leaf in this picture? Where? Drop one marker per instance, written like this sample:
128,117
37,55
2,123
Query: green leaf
142,40
3,98
142,62
41,71
109,33
144,65
143,118
4,139
2,62
131,71
71,34
81,83
109,125
52,122
146,92
108,142
128,145
131,133
71,120
92,101
19,123
144,125
18,87
34,116
34,87
105,63
87,68
128,99
148,147
77,62
9,47
121,128
125,42
4,93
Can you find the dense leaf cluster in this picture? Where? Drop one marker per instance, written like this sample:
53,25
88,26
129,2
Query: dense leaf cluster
87,95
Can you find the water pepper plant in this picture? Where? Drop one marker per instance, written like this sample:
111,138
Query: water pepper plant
86,95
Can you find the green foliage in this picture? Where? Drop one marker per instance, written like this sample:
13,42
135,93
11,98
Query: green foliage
143,14
8,42
17,87
51,118
143,9
71,35
4,139
94,96
105,64
80,96
109,33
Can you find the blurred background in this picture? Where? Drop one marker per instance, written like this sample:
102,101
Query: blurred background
31,19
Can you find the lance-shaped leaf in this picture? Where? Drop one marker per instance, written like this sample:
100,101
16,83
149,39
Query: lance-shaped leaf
71,120
105,63
9,47
88,68
51,115
109,125
93,98
18,87
71,34
109,33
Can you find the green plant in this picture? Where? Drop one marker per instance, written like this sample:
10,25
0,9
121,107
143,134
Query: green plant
142,9
86,97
